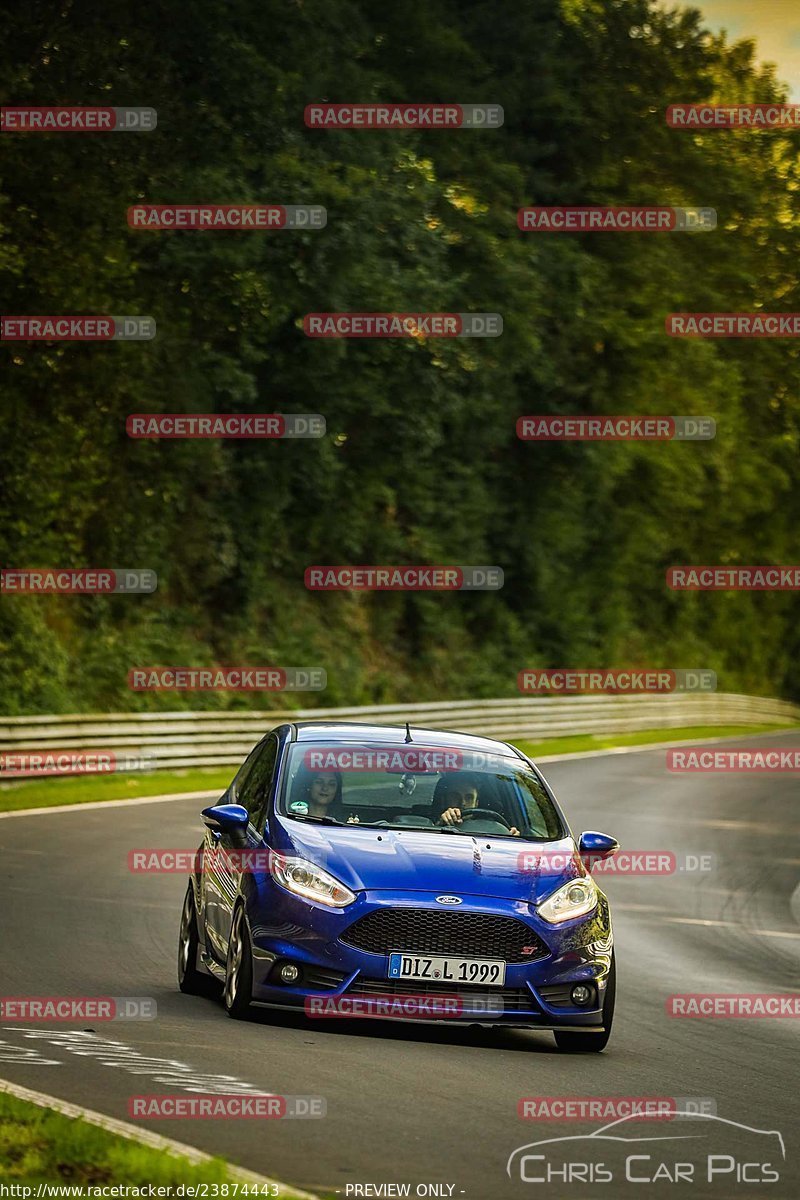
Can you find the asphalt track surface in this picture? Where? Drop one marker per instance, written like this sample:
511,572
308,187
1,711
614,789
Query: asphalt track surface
434,1104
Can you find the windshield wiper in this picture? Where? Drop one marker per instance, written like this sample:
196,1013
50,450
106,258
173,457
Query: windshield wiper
317,820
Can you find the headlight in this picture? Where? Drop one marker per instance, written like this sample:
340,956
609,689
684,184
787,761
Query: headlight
573,899
304,879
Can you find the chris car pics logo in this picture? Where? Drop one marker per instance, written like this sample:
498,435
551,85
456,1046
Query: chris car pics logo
696,1147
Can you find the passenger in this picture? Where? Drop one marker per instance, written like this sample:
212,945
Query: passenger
321,792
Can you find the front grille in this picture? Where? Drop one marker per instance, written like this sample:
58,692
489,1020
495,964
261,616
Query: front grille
504,999
462,935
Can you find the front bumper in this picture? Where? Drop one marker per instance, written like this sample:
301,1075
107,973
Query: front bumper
338,979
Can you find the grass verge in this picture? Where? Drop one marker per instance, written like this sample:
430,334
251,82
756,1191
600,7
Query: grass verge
39,1145
586,742
80,789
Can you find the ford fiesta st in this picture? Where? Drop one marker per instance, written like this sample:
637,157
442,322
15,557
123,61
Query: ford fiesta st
384,871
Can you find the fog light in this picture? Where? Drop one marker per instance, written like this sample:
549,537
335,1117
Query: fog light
289,973
581,995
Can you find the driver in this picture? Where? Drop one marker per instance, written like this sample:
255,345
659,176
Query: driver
455,794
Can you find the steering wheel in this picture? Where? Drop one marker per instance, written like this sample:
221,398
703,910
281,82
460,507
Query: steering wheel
483,814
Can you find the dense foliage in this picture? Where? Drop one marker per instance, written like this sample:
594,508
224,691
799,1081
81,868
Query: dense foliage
421,463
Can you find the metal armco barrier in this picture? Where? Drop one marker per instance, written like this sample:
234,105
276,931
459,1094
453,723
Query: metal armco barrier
202,739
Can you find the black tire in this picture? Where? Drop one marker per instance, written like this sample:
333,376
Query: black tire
573,1042
191,980
238,992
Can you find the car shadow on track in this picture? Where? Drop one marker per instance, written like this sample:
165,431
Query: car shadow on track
412,1030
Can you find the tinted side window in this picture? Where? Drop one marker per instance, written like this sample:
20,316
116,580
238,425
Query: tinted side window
541,817
240,779
255,790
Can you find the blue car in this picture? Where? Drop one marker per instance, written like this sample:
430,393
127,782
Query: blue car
368,870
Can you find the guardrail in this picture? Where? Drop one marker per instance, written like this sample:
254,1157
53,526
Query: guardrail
183,739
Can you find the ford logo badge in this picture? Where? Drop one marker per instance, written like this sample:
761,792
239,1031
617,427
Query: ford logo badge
448,900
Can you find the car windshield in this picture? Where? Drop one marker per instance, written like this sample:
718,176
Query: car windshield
439,789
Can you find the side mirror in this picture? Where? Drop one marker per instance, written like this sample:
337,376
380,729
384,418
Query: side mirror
594,847
226,818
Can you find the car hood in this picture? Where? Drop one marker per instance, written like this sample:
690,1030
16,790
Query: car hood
418,861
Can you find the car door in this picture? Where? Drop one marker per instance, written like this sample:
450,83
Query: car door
253,794
219,881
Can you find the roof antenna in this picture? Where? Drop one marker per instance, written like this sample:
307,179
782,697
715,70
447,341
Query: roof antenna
408,737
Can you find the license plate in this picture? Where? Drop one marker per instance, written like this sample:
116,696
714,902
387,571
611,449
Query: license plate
489,971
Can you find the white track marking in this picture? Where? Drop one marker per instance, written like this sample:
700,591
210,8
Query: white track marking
109,1052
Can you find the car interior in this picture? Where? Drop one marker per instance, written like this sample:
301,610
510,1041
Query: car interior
417,801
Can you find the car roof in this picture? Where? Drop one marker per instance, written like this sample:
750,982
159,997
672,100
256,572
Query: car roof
395,735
